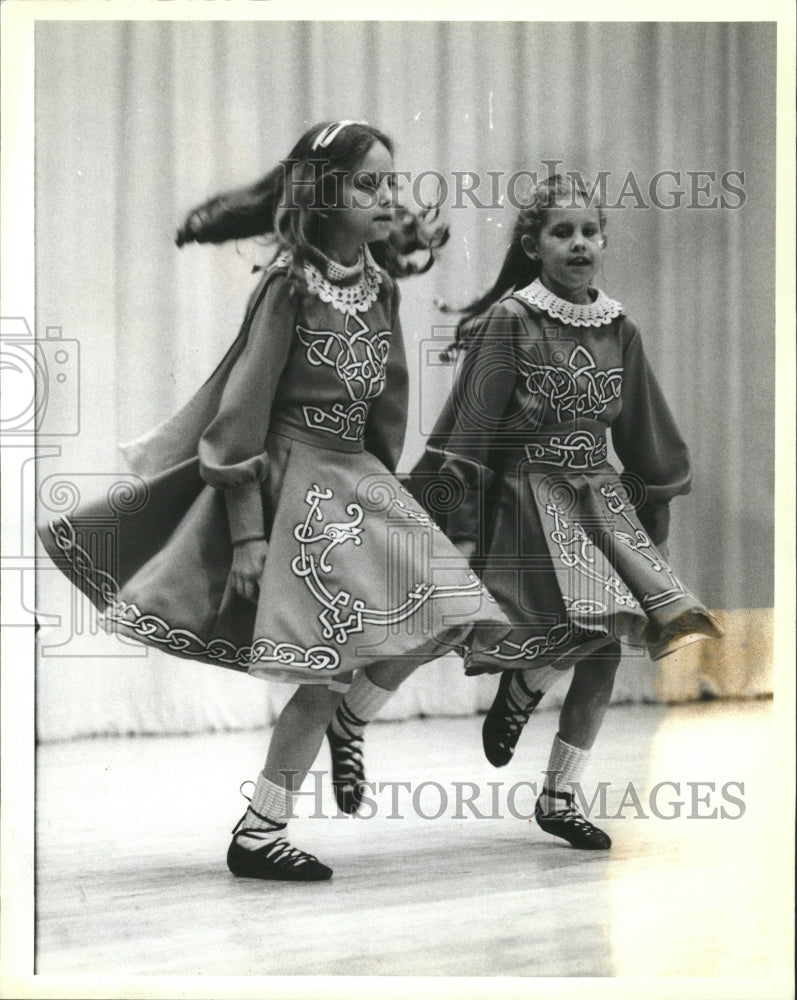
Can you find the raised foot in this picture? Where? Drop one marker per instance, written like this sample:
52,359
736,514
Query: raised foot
348,770
504,722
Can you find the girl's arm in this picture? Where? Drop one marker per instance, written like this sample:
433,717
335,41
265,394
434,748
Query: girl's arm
648,442
387,416
483,388
231,452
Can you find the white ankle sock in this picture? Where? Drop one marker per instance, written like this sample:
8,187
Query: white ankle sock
360,706
565,768
267,815
530,685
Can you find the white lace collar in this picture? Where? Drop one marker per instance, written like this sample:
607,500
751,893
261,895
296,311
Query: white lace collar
342,273
351,298
598,313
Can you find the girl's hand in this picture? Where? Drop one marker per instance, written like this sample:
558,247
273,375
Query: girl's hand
466,547
248,559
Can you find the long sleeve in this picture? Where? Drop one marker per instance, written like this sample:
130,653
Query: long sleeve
648,442
387,416
482,391
231,451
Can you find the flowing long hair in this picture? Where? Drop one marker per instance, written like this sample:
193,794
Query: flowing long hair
518,269
290,203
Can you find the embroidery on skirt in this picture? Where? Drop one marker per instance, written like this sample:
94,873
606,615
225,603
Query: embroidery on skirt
181,641
344,614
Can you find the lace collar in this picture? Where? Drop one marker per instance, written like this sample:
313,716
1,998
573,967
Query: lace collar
359,292
598,313
340,274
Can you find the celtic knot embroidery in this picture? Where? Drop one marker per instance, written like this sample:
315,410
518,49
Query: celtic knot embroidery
577,552
579,389
576,450
534,646
347,422
147,627
344,614
103,584
358,358
413,515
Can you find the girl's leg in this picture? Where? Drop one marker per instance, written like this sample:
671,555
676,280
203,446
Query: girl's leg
299,732
580,720
372,688
588,697
519,692
259,848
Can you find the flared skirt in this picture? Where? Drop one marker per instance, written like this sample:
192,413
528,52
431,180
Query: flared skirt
572,567
356,571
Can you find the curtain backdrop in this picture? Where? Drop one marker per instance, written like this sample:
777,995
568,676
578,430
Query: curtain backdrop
137,122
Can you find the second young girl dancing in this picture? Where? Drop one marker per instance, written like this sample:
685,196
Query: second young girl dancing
574,553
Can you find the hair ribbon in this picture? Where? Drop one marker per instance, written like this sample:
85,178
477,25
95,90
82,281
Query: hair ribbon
328,134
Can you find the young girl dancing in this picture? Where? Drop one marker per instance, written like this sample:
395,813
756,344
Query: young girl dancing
573,553
269,534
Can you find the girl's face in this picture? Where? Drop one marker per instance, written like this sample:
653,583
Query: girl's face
569,248
365,213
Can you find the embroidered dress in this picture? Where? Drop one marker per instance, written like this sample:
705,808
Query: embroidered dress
567,545
295,436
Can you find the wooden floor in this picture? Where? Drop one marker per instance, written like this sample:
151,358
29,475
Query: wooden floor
132,833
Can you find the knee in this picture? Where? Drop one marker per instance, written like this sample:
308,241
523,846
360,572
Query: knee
607,658
316,703
599,670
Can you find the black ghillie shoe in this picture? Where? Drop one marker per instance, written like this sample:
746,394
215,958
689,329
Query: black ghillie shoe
571,825
275,860
505,720
348,769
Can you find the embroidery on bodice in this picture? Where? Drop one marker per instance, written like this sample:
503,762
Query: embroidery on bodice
598,313
575,389
358,358
357,355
